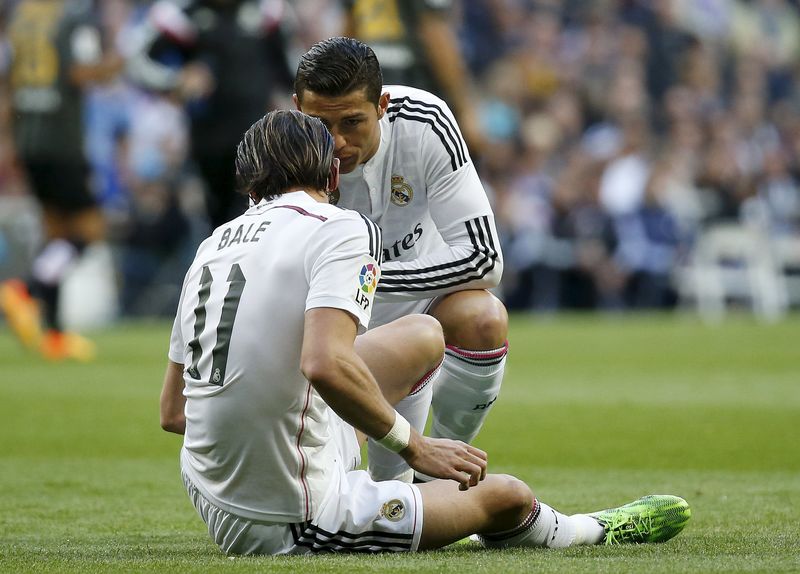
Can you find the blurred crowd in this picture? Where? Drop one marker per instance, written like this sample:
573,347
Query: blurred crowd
610,135
619,131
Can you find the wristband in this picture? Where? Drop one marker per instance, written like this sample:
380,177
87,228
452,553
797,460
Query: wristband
399,435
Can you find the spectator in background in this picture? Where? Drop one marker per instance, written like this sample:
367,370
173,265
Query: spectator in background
714,85
159,232
648,247
226,60
153,235
681,114
110,108
417,46
57,51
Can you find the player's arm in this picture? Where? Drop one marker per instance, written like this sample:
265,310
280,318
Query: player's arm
342,379
436,34
471,257
172,400
341,269
330,363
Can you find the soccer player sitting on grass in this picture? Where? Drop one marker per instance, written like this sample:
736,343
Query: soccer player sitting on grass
274,383
405,165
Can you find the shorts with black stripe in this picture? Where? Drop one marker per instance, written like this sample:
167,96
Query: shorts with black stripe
356,515
361,516
366,517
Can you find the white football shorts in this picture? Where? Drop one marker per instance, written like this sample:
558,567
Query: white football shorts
385,312
357,515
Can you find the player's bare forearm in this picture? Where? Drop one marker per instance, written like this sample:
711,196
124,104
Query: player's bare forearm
444,54
331,365
441,47
103,71
172,400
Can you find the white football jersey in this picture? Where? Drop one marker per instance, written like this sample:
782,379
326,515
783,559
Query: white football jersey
422,189
258,436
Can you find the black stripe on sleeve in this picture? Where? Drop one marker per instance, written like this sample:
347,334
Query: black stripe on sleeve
479,267
371,236
442,266
375,239
477,241
379,254
435,130
480,262
436,112
440,123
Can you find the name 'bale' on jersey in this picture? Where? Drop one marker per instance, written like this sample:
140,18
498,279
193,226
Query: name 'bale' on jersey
257,440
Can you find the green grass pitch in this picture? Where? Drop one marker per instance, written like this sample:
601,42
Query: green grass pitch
595,411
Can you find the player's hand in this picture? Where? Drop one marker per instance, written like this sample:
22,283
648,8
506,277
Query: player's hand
445,458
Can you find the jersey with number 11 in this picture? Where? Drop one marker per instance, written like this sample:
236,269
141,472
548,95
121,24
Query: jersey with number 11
258,442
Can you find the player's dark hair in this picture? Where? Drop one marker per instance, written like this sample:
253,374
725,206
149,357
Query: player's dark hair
282,150
338,66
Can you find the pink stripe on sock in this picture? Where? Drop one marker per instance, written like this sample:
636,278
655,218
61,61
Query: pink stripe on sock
426,378
490,354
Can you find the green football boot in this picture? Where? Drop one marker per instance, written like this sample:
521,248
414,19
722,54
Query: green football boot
652,518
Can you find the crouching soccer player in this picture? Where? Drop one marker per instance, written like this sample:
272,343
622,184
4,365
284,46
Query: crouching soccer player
274,389
405,165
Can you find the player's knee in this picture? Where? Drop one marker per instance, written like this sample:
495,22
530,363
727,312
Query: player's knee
475,320
431,337
512,496
490,325
518,495
424,339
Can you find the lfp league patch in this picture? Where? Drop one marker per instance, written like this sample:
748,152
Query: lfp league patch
367,284
369,278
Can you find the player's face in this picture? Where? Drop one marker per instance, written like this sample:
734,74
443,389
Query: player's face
353,121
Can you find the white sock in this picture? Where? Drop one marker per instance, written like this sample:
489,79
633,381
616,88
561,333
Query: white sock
466,389
587,530
544,527
383,463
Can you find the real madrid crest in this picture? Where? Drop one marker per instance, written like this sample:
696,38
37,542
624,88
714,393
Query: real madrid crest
393,510
401,194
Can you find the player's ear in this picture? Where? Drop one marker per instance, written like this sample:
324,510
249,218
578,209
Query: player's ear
296,102
383,104
333,178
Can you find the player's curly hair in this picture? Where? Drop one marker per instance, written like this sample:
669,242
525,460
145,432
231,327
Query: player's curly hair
282,150
339,66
